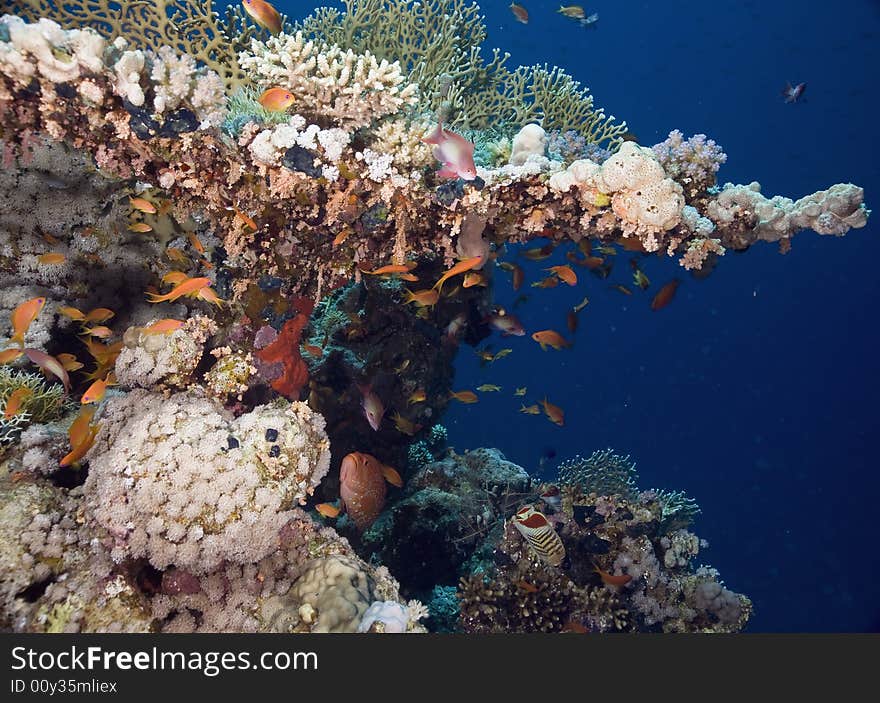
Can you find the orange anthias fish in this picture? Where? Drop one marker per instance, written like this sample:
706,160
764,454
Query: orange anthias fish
405,426
276,99
362,489
23,316
263,14
100,332
99,315
474,278
69,362
143,205
72,313
422,298
95,393
565,274
391,268
521,13
611,579
539,254
140,227
50,365
554,412
464,396
196,243
551,338
665,295
7,356
460,267
164,326
313,350
174,277
418,396
549,282
81,435
15,400
189,287
52,259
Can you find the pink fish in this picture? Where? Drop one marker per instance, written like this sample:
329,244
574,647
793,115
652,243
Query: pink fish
373,407
50,365
454,329
455,153
793,93
506,324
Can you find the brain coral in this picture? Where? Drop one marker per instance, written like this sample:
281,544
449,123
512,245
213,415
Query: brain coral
178,481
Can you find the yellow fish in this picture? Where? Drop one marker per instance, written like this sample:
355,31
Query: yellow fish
501,354
488,388
576,12
52,259
418,396
520,391
530,410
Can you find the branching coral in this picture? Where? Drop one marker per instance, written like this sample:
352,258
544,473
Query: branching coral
186,26
603,472
43,402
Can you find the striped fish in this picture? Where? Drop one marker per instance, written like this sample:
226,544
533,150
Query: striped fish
539,533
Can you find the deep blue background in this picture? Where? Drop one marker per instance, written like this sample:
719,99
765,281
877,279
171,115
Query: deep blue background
756,390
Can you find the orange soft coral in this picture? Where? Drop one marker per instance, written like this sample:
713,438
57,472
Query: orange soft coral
285,350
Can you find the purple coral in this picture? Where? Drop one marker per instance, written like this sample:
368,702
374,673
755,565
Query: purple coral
692,162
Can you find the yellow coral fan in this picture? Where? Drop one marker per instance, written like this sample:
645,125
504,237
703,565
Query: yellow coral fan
188,26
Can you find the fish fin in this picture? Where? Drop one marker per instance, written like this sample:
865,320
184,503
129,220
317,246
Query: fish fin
437,136
392,476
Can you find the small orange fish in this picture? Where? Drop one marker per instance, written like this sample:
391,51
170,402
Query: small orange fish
141,227
391,268
69,362
549,282
460,267
23,316
527,587
142,205
276,99
15,400
632,244
554,412
50,365
100,332
80,450
166,325
571,321
575,627
313,349
611,579
665,295
404,426
538,254
344,234
464,396
189,286
209,296
245,220
52,259
565,274
263,14
518,275
196,243
521,13
552,339
409,277
622,289
327,510
50,240
7,356
422,298
176,255
72,313
79,428
95,392
418,396
99,315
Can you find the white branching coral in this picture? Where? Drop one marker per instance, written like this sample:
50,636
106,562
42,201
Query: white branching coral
177,481
269,146
47,51
351,90
178,80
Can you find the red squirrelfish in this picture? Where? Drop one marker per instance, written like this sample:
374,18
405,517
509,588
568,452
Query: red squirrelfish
455,153
373,407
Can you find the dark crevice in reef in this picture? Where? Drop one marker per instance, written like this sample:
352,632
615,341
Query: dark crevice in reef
35,591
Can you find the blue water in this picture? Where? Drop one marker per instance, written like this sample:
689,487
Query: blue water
756,390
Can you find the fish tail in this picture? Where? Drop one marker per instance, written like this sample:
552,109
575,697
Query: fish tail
17,338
